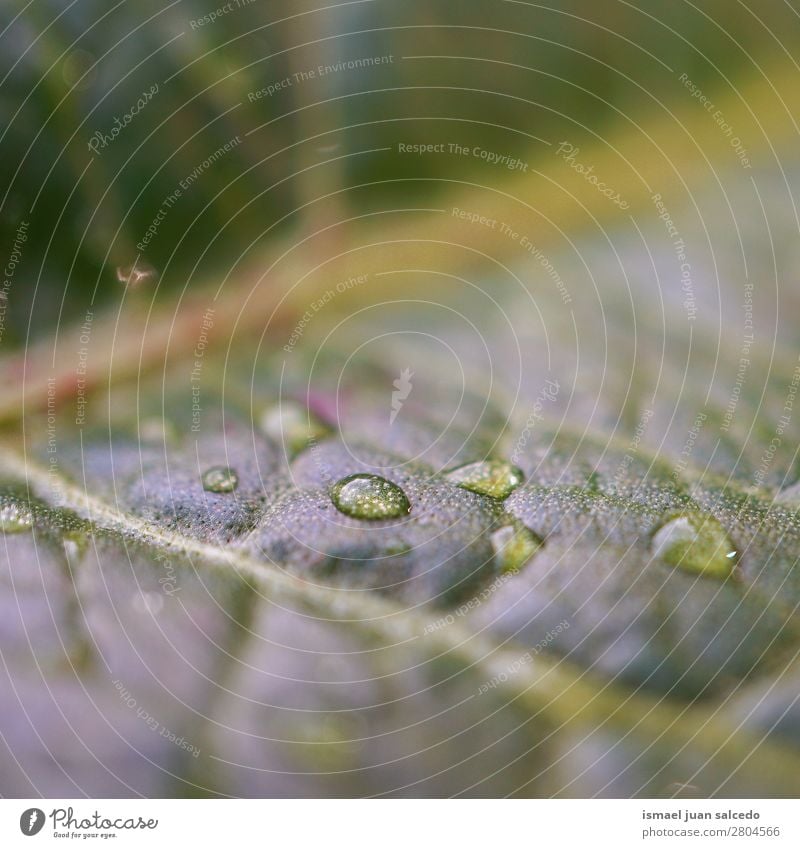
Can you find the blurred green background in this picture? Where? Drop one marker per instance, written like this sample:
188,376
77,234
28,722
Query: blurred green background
508,73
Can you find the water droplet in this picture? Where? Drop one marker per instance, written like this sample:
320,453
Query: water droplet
369,496
493,477
695,543
15,517
136,274
289,424
513,546
75,544
220,479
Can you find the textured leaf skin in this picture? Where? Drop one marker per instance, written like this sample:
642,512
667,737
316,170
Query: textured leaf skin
300,651
291,701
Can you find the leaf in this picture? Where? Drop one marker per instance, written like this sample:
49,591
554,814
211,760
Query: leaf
162,635
416,612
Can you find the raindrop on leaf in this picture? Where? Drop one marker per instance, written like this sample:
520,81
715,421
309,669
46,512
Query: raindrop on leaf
695,543
220,479
494,477
370,497
513,546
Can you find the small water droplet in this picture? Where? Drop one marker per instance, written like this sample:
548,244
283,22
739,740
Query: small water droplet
15,517
72,551
494,477
137,274
76,543
695,543
514,546
288,423
220,479
369,496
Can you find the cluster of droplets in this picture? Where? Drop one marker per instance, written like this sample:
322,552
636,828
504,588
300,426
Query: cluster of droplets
18,516
691,541
371,497
15,516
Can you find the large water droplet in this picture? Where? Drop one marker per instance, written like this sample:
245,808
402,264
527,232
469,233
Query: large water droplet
513,546
289,424
369,496
493,477
695,543
15,517
220,479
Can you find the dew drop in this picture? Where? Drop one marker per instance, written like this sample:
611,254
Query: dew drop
695,543
75,544
290,424
513,546
220,479
493,477
137,274
15,517
369,496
